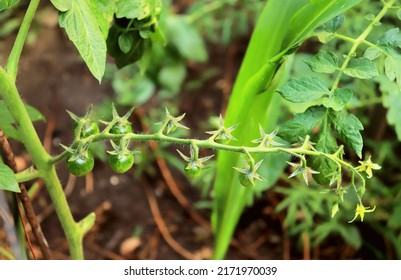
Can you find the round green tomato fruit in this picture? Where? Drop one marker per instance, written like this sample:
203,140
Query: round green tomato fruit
122,163
245,181
80,166
222,139
120,128
88,129
193,172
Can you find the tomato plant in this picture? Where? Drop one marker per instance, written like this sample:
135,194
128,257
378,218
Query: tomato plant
324,137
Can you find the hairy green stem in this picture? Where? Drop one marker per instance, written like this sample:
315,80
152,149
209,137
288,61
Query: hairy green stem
358,41
13,59
211,144
42,162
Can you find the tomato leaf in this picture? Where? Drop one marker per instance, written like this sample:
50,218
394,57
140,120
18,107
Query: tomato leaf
348,128
303,89
372,53
6,4
302,124
139,9
361,68
8,181
334,24
62,5
323,62
325,143
82,26
340,98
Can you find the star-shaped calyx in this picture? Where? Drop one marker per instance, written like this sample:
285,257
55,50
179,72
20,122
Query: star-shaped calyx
223,134
301,168
248,175
194,164
267,140
171,123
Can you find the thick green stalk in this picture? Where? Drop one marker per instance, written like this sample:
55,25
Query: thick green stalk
13,59
42,162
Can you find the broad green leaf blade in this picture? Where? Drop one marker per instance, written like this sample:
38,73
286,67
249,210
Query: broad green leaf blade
348,128
313,14
8,181
334,24
138,9
186,38
361,68
392,38
372,53
340,98
6,4
323,62
326,143
62,5
81,25
303,89
302,124
107,7
392,69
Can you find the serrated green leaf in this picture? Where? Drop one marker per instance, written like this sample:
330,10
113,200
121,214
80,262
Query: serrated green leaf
326,143
62,5
340,98
372,53
323,62
392,38
392,69
302,124
334,24
81,25
103,20
361,68
6,4
348,128
304,89
8,181
186,38
125,42
138,9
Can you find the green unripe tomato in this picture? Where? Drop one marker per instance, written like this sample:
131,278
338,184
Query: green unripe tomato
244,180
120,128
81,165
223,139
122,163
88,129
193,172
